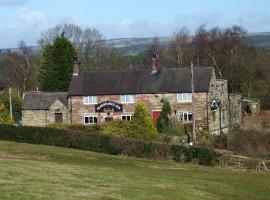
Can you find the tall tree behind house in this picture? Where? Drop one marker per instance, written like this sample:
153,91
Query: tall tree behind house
55,70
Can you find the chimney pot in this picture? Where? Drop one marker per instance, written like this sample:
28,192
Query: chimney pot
154,64
76,66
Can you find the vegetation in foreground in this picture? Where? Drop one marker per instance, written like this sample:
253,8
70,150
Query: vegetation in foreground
45,172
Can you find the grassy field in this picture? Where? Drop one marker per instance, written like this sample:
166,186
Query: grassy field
45,172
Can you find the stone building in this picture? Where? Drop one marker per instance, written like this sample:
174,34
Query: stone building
100,96
42,108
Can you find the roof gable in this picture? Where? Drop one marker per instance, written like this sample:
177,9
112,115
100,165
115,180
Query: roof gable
174,80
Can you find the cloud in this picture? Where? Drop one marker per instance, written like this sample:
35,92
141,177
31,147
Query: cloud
13,2
32,18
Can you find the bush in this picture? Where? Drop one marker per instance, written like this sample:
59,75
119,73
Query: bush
106,144
4,115
163,120
58,126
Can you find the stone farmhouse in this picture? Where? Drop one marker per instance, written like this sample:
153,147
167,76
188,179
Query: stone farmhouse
100,96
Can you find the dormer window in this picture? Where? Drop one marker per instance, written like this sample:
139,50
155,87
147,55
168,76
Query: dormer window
184,97
89,100
127,98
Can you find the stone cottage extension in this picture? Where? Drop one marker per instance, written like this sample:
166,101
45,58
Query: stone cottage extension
43,108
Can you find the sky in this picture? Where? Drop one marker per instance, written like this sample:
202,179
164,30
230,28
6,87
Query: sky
26,19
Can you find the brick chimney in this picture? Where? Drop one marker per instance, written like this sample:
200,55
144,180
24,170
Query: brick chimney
154,63
76,66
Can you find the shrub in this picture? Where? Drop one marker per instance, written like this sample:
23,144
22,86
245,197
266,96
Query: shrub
4,115
107,144
58,126
142,125
163,120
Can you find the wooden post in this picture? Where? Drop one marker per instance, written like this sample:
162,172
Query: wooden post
10,104
193,105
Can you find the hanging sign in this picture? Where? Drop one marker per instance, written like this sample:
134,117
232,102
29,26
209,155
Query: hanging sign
214,105
109,105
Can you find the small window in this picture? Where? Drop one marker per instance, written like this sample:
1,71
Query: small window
90,119
184,97
186,116
127,98
89,100
126,117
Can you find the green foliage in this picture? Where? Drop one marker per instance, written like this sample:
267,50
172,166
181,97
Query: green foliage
106,144
4,115
163,120
56,65
187,154
16,105
58,126
142,123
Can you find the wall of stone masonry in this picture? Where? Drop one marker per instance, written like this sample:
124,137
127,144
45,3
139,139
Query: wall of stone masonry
45,117
152,101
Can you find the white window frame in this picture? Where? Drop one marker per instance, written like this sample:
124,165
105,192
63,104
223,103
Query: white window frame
126,115
128,98
181,116
184,97
88,100
90,115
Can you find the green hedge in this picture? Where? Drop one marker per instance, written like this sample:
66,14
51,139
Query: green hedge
107,144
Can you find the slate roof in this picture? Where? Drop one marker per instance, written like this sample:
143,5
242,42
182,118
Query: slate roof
2,85
42,100
175,80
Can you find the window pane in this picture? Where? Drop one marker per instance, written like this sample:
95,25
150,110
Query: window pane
189,116
95,120
185,117
122,98
128,117
86,120
91,120
131,98
85,99
94,99
123,117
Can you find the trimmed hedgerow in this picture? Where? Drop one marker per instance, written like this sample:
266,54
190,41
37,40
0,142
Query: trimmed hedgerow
107,144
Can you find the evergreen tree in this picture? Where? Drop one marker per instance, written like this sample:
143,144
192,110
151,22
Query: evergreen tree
163,120
143,124
56,65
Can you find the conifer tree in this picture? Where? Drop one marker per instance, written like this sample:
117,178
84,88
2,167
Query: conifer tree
56,65
144,126
163,120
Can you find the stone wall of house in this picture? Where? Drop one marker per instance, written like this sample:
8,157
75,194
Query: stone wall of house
45,117
152,101
34,117
235,109
218,119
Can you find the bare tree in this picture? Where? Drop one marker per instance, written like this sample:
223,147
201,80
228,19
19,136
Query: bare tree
20,68
87,41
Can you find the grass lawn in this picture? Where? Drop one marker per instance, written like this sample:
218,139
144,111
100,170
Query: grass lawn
45,172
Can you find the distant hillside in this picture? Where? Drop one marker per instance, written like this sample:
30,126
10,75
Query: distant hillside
133,46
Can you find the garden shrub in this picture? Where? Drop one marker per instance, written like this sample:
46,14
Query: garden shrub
106,144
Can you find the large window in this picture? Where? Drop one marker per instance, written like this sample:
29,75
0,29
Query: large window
126,117
90,119
89,100
186,116
184,97
127,98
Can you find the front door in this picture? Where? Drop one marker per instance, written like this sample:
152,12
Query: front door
156,115
58,117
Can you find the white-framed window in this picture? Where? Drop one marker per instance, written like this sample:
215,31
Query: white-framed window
185,116
89,100
127,98
126,117
184,97
90,119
